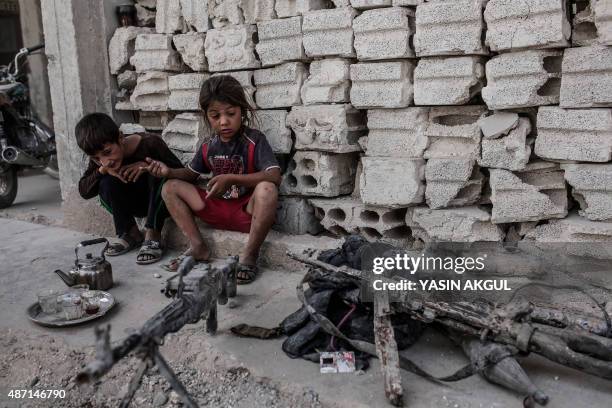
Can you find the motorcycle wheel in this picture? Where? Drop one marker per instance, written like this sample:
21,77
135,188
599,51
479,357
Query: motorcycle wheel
52,169
8,185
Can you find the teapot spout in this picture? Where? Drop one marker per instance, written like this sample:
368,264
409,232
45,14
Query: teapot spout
68,280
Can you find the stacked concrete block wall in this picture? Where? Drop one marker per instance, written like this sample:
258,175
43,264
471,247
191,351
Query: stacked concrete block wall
474,120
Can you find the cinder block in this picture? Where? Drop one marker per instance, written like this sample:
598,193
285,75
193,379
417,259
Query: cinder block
295,216
195,13
452,182
273,124
329,32
453,132
584,31
320,174
384,33
603,20
127,80
527,24
168,17
246,80
185,132
450,28
155,121
397,132
154,52
280,41
256,11
368,4
536,193
574,134
289,8
448,81
185,91
382,84
225,13
328,82
151,92
407,2
125,104
592,188
122,46
587,77
341,3
392,182
521,79
131,128
191,48
333,128
280,86
231,49
509,152
145,17
498,124
465,224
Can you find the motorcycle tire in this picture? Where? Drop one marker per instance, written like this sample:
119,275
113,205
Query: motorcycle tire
8,185
52,169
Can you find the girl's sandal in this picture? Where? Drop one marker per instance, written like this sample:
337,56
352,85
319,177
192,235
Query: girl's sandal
248,272
150,252
124,244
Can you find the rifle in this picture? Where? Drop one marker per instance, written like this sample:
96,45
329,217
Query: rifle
196,294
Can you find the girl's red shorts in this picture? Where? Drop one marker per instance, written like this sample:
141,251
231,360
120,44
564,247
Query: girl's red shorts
225,214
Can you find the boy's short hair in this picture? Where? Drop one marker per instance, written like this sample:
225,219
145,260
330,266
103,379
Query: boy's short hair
94,131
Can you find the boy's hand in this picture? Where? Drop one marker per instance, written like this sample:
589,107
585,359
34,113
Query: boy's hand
132,172
156,168
114,173
218,185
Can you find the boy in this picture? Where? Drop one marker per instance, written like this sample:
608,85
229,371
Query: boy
117,173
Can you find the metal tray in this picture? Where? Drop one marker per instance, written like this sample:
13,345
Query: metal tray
57,320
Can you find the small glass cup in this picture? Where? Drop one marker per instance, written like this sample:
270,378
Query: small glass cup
47,299
91,301
72,306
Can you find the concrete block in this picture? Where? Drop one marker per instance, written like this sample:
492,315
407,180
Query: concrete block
225,13
125,104
191,48
382,84
168,17
131,128
574,134
397,132
273,124
398,3
122,46
448,81
289,8
155,121
536,193
498,124
328,82
154,52
185,91
246,80
384,33
509,152
255,11
333,128
145,17
329,32
195,13
521,79
341,3
320,174
584,31
587,77
280,86
185,132
592,188
453,132
452,182
280,41
392,182
151,4
151,92
450,28
369,4
527,24
127,80
465,224
603,20
295,216
231,49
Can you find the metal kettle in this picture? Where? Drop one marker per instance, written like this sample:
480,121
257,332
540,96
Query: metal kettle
93,271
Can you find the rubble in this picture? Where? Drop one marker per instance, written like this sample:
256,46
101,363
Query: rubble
154,121
122,47
384,33
195,14
584,31
498,124
231,49
392,181
145,16
452,182
225,13
587,77
329,33
447,81
592,188
127,80
131,128
154,52
185,91
453,132
603,20
328,82
280,86
333,128
382,84
280,41
168,17
185,132
191,48
368,4
509,152
151,92
296,216
273,124
397,132
290,8
255,11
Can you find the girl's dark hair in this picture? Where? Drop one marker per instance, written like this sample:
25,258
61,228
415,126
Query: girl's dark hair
95,130
226,89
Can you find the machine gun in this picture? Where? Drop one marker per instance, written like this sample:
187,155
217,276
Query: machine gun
196,294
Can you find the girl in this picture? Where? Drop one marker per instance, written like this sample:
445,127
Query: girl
242,194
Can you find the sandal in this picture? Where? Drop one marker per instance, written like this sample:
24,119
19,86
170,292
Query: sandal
150,252
124,244
248,272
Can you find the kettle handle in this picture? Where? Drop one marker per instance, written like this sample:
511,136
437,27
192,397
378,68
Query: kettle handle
91,242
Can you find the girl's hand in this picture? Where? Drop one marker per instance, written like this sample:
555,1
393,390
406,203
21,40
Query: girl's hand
156,168
218,185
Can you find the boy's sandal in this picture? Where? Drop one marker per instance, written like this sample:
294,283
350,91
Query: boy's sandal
246,274
124,244
150,252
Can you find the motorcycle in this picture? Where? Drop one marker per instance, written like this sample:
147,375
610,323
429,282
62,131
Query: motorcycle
25,142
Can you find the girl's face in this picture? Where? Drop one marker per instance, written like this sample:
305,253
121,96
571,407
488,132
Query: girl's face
225,119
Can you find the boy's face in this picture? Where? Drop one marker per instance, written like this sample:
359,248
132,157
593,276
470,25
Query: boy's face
224,118
111,156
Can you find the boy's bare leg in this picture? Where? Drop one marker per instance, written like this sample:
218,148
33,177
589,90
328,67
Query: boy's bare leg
182,199
262,207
